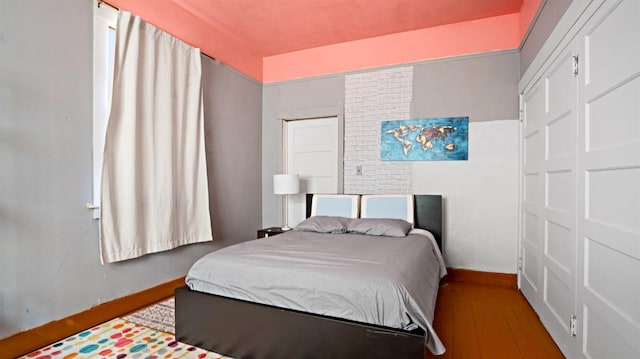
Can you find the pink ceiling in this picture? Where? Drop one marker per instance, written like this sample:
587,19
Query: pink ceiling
242,32
273,27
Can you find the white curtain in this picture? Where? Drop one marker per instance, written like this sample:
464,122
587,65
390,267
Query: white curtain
154,181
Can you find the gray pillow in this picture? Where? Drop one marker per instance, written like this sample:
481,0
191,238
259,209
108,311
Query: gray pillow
324,224
379,227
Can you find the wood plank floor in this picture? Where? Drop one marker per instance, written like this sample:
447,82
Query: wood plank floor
484,321
473,321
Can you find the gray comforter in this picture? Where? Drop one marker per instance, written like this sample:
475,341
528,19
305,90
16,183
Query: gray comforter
386,281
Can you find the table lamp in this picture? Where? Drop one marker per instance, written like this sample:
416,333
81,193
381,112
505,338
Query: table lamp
286,184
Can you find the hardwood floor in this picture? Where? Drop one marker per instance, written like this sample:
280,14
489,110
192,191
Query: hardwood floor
485,321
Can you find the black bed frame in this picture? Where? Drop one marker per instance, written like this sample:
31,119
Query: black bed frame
242,329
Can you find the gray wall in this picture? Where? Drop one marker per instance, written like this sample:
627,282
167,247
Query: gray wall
49,256
484,87
548,18
313,97
233,138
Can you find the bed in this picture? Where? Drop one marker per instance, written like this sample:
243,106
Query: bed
270,324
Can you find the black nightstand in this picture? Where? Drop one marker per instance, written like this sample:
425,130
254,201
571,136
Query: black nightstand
271,231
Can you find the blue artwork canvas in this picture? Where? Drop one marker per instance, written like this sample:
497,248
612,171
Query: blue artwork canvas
430,139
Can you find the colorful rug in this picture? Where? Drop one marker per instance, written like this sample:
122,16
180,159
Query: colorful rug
119,339
160,316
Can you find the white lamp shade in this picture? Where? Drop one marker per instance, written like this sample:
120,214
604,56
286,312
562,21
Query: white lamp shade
286,184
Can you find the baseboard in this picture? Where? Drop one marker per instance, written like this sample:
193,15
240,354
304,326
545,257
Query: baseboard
33,339
506,280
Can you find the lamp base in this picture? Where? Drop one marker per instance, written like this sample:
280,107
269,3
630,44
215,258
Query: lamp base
286,228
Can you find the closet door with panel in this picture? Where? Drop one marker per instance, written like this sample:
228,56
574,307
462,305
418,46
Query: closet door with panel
580,240
532,188
609,183
558,306
549,204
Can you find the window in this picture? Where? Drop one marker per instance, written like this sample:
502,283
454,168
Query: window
104,40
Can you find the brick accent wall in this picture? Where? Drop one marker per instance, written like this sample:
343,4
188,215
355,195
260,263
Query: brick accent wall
371,98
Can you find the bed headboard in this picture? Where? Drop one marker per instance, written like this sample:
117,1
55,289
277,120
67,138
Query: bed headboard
427,213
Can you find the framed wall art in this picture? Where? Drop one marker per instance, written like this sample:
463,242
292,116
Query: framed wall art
429,139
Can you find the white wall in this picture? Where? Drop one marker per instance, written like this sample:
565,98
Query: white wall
370,98
480,198
480,195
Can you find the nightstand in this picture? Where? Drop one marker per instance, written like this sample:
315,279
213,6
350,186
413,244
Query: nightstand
268,232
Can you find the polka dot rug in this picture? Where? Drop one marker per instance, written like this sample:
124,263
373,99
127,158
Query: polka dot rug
119,339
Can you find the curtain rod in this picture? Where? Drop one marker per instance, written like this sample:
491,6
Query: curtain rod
100,2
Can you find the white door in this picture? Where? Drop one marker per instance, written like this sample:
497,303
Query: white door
548,239
609,183
314,152
558,304
532,190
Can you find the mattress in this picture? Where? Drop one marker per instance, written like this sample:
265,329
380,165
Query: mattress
378,280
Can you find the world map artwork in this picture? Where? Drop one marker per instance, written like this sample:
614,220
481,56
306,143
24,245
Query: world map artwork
430,139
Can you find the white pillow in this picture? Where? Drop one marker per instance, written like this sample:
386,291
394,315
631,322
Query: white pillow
399,206
335,205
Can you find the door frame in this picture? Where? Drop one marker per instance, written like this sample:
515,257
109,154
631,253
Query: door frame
312,114
285,162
